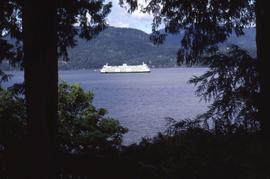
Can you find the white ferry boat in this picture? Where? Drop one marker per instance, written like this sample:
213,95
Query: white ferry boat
125,69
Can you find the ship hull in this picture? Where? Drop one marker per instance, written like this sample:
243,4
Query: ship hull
125,69
129,72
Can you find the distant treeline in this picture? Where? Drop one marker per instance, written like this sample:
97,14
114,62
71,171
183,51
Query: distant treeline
124,45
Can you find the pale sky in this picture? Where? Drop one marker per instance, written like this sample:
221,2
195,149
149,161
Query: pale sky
119,17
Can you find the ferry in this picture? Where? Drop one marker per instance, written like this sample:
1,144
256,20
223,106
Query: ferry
125,68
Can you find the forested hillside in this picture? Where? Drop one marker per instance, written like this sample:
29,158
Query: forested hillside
125,45
120,45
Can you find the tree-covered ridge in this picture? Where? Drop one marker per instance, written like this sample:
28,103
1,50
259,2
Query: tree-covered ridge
132,46
246,42
125,45
117,46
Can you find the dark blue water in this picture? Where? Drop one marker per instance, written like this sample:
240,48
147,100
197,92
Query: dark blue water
140,101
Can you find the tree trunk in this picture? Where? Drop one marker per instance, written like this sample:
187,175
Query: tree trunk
263,54
41,78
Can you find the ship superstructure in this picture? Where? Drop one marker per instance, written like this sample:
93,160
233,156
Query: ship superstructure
125,68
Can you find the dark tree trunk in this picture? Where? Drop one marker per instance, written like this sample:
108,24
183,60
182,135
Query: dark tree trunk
41,78
263,54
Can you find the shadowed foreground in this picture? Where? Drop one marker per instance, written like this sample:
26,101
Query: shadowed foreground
90,144
195,153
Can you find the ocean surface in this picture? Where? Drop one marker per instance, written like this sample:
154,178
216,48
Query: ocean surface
140,101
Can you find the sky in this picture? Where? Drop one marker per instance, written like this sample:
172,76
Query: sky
119,17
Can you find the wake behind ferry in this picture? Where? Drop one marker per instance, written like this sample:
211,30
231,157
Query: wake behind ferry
125,68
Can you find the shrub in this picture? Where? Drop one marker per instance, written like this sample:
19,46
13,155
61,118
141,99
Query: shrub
81,126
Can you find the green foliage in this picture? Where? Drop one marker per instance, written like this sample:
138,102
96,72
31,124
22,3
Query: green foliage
12,117
87,14
82,127
204,23
232,82
68,13
232,86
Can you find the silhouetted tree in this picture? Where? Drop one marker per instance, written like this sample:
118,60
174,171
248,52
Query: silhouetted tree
46,29
231,85
205,23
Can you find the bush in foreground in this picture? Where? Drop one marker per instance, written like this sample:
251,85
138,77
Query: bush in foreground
188,150
90,144
81,125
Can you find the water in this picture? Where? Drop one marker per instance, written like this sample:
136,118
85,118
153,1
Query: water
140,101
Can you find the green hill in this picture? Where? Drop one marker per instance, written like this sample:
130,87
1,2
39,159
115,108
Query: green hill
117,46
125,45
